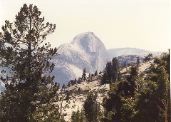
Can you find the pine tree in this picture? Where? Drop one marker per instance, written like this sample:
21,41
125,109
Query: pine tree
132,80
107,75
163,93
162,79
127,109
30,90
112,106
84,74
153,100
91,108
111,72
146,105
96,73
104,79
115,69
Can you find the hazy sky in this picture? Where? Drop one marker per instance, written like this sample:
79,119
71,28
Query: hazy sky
118,23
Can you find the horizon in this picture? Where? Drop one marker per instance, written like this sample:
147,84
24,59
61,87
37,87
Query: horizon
118,24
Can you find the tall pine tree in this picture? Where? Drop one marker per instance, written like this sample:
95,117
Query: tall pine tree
115,69
91,108
84,74
111,72
30,89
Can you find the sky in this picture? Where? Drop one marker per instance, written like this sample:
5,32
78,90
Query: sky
142,24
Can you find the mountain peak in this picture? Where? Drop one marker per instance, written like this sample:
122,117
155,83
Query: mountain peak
85,51
88,41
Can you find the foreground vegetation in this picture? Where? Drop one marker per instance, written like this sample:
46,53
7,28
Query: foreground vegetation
31,93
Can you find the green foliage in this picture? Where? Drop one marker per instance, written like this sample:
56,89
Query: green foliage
78,116
117,106
132,80
84,74
115,67
153,99
146,106
128,111
105,79
47,113
91,108
30,90
112,106
140,98
111,72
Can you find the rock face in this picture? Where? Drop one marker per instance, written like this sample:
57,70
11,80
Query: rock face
85,51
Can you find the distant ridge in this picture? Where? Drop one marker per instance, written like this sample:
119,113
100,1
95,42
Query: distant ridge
129,51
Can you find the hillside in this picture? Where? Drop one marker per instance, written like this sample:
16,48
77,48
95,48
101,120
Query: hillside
79,91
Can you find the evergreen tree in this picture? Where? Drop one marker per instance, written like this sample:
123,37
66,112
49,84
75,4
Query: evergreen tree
111,72
84,74
123,88
115,69
132,80
153,100
161,75
127,109
96,73
30,90
112,106
107,75
146,105
105,79
91,108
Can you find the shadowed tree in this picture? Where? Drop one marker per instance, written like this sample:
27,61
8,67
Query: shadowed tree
91,108
115,69
30,89
111,72
84,74
132,80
